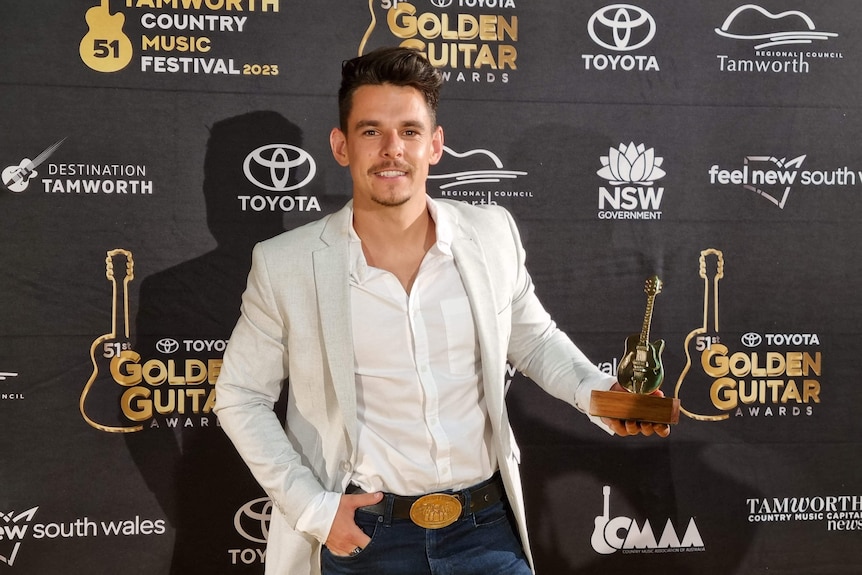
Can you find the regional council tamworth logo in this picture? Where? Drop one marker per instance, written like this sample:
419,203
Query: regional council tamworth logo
472,176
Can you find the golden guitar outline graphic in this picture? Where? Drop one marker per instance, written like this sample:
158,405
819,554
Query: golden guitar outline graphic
106,342
105,47
719,273
370,29
641,370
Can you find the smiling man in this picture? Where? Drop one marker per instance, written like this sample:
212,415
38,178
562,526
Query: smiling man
394,319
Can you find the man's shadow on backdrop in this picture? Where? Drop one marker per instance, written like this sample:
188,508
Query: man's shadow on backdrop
194,472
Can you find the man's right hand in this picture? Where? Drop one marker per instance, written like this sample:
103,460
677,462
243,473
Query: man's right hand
344,535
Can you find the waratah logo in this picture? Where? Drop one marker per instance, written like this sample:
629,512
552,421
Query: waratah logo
631,165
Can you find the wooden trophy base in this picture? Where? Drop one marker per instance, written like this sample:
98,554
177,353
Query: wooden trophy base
625,405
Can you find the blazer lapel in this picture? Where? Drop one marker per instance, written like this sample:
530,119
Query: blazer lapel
475,274
331,274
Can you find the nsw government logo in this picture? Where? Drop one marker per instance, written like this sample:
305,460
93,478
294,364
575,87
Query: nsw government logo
631,194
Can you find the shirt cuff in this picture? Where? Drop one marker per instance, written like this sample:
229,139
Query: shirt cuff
317,517
582,397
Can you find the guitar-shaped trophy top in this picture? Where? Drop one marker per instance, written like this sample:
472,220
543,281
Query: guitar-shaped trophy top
641,370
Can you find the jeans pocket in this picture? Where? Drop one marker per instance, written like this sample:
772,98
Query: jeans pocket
369,527
490,516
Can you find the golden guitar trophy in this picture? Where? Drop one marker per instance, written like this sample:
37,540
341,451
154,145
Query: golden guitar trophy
641,373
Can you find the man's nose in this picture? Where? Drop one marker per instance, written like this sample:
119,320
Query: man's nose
393,147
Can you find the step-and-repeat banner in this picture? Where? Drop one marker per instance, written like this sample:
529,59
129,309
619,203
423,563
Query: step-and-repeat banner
148,144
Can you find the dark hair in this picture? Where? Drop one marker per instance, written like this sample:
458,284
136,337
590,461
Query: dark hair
397,66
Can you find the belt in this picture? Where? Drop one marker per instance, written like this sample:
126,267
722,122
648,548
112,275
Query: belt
436,510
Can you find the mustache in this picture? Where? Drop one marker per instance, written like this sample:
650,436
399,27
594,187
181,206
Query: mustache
383,166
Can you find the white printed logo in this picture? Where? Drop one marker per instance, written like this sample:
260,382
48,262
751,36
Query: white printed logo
487,174
13,528
760,24
631,170
623,533
270,167
629,27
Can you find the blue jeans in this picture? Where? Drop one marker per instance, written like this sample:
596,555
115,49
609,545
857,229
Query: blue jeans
482,543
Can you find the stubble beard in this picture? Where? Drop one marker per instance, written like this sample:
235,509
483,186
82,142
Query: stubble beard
391,197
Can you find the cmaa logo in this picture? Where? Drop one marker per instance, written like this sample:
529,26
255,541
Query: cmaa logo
623,533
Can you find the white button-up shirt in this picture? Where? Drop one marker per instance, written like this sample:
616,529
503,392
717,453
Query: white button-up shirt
423,424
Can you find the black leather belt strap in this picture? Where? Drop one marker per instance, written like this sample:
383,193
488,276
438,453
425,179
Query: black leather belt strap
480,496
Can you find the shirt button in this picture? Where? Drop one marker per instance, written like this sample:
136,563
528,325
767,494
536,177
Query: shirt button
345,466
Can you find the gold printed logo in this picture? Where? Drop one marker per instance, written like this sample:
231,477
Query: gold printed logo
455,41
765,383
112,344
126,390
105,48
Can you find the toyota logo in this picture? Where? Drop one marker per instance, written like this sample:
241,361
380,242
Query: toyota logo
254,516
751,339
279,167
167,345
630,27
441,3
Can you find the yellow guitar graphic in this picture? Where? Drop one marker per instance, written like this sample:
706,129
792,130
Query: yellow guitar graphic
109,346
703,336
105,48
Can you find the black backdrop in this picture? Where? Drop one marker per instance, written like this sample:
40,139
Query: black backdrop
711,143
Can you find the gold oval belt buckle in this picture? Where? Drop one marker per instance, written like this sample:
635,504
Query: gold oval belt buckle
435,511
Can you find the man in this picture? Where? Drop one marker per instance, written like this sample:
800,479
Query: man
393,319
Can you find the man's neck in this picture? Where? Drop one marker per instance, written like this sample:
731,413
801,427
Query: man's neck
395,239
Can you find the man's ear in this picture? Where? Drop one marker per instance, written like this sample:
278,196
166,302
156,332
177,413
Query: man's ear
436,146
338,143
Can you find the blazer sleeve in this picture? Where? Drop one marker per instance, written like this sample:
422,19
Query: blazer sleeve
544,353
251,380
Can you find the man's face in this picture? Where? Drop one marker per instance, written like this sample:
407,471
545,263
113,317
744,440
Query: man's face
389,144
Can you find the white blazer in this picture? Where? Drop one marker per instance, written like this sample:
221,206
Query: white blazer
295,323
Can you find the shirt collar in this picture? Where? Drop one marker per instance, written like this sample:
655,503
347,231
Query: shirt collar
444,227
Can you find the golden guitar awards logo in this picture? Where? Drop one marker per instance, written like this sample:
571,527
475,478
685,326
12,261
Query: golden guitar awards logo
99,413
467,46
123,392
718,381
105,48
